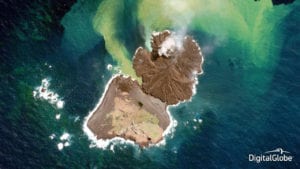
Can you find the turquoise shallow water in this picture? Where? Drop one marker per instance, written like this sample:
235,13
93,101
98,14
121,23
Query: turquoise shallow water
245,106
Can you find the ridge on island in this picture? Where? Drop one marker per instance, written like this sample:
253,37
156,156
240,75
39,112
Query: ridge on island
139,112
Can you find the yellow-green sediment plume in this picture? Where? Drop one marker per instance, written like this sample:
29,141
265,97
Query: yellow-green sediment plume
106,22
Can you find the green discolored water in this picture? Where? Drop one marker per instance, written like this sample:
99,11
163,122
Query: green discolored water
247,98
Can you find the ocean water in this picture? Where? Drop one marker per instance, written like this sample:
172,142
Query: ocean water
247,100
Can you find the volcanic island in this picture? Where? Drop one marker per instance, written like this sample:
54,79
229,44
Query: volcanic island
138,112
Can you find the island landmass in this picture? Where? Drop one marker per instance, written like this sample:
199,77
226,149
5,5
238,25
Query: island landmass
140,112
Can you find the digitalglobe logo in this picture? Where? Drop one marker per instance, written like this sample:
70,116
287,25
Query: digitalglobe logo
276,155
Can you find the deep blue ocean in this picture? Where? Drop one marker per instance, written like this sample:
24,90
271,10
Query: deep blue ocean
245,108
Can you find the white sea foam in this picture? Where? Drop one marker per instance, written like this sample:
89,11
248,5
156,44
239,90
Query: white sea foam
44,93
109,67
60,146
34,93
105,143
112,148
48,65
57,116
67,144
65,136
197,120
139,48
60,104
65,139
52,136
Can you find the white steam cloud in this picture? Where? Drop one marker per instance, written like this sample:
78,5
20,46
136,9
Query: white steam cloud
181,17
